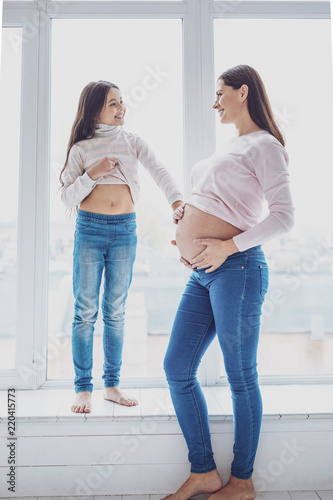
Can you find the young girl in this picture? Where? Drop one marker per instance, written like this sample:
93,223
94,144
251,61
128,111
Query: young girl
100,177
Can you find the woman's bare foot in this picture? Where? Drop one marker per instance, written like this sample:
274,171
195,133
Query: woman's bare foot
197,484
235,489
115,395
82,403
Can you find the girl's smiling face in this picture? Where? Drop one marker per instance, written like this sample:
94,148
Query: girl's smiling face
114,110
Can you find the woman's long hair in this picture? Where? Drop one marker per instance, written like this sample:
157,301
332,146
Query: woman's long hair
91,104
258,103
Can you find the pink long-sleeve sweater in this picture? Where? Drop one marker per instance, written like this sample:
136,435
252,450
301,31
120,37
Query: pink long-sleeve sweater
128,149
233,183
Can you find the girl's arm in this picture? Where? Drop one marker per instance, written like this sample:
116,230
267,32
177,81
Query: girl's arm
159,173
272,173
77,184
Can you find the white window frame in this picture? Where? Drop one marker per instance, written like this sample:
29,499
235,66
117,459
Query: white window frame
35,18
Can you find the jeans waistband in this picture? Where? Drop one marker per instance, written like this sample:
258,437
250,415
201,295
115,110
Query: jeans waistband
106,219
251,250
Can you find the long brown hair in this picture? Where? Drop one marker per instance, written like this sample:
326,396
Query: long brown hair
258,103
91,103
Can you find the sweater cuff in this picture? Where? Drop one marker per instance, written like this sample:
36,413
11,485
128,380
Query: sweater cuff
87,181
175,197
242,246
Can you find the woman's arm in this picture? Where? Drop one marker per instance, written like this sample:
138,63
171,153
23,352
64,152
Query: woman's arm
272,174
159,172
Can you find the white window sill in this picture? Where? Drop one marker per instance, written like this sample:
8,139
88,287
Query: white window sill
289,401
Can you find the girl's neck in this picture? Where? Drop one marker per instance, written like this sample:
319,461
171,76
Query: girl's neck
104,130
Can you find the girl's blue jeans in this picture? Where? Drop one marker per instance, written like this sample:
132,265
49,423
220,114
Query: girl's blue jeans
102,243
226,302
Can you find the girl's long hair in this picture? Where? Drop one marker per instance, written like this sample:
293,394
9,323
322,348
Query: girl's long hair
91,104
258,103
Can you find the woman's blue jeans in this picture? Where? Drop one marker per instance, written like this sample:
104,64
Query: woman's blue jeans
102,243
226,302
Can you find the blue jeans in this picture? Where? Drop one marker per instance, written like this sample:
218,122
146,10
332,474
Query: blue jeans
102,243
226,302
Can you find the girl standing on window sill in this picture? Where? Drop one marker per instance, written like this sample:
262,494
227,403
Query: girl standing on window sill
101,177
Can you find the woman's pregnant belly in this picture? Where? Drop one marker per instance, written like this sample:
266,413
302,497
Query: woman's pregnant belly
109,199
198,224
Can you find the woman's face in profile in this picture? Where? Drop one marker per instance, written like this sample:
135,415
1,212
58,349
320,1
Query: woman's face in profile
228,102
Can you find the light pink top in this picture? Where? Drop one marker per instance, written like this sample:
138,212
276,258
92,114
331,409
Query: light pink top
233,183
129,149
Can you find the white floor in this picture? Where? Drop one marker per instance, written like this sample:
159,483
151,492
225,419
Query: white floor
291,495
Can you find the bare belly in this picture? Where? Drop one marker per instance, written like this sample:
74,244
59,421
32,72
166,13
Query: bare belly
199,224
109,199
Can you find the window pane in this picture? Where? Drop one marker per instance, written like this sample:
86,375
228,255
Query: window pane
179,1
10,102
297,326
229,3
150,79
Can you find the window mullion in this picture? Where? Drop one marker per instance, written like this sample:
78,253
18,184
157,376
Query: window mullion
209,372
42,202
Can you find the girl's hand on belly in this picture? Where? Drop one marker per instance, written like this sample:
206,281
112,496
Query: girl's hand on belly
178,213
216,252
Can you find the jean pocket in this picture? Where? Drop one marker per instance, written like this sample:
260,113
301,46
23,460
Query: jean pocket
264,280
130,226
233,266
236,263
82,223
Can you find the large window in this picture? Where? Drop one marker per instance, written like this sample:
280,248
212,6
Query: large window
165,57
150,79
297,327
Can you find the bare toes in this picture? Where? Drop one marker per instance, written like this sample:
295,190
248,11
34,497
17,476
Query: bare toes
127,402
133,401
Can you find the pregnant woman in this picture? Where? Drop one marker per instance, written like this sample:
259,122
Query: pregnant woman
219,236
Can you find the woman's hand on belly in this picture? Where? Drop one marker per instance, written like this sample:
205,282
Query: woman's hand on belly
216,252
182,260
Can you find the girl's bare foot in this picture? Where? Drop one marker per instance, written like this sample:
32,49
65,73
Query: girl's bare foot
197,484
82,403
115,395
235,489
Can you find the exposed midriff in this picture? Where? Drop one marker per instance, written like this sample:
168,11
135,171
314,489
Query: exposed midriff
109,199
198,224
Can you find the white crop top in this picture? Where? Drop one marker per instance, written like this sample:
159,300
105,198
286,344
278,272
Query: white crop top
234,182
129,149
